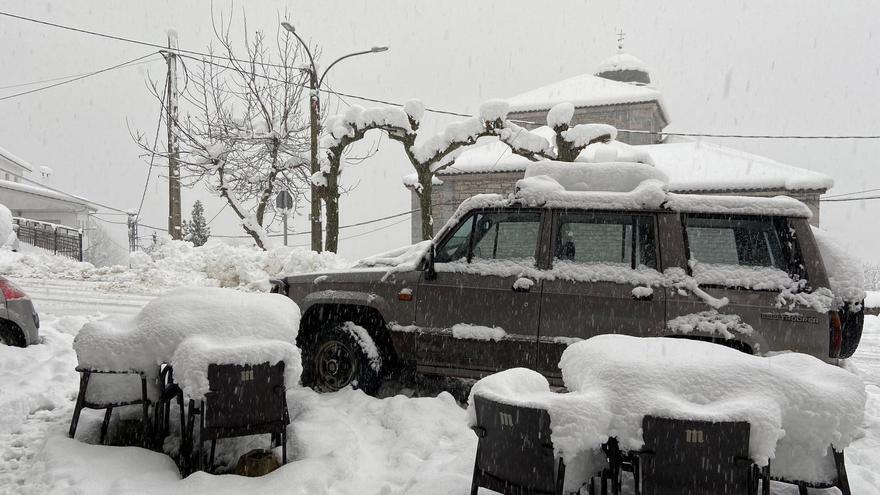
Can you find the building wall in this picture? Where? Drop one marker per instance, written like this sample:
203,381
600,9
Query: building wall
457,188
636,116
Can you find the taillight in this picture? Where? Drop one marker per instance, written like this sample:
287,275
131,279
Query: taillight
835,334
11,291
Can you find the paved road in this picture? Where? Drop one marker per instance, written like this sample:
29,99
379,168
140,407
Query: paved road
76,297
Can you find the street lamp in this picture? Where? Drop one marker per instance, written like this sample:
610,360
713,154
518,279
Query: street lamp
314,118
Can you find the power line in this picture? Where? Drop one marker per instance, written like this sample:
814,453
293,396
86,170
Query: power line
43,88
835,200
153,151
181,51
60,78
850,193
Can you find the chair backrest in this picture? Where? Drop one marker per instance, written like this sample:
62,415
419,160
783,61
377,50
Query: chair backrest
695,457
243,396
515,454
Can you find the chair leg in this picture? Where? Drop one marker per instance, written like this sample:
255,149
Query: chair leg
213,449
105,424
284,445
146,413
802,488
765,484
80,402
560,477
475,479
842,478
636,475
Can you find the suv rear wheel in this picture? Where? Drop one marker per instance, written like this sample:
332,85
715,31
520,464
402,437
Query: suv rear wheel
338,358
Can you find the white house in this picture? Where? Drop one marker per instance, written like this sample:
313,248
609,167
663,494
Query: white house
27,199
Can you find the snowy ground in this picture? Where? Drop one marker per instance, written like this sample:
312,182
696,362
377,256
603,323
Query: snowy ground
342,443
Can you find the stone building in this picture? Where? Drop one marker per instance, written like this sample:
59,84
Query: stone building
619,93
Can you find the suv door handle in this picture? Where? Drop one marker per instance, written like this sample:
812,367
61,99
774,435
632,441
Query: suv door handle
523,284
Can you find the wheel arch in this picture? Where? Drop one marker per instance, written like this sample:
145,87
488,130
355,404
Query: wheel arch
324,315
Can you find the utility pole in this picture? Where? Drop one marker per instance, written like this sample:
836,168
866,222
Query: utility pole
174,219
315,167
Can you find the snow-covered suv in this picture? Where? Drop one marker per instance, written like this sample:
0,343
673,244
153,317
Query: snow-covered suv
511,281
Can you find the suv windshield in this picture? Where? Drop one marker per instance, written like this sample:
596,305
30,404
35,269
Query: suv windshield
509,235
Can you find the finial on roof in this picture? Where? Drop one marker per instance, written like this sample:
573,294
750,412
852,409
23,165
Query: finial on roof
620,37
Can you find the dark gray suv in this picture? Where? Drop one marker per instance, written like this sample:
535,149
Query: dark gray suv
510,282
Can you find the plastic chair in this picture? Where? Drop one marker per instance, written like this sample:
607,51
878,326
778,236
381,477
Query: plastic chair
514,453
242,400
683,457
83,401
842,481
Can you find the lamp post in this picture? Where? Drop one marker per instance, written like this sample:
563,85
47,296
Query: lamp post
314,118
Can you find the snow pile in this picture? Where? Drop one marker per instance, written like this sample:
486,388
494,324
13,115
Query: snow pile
6,232
195,354
535,191
358,118
477,332
149,339
404,258
175,264
613,177
582,134
585,90
710,323
492,110
845,275
797,405
615,151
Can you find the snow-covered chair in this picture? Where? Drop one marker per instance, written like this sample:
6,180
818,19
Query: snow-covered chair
514,452
110,378
841,481
692,457
236,387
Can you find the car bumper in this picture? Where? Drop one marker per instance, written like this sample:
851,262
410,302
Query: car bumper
22,313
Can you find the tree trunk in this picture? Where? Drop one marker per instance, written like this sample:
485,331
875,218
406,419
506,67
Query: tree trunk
331,200
425,181
239,211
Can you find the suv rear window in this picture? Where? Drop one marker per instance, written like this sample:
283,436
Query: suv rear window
750,242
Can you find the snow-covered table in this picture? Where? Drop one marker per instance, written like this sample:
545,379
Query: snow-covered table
115,351
797,406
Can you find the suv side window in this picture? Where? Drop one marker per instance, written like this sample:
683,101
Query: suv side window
509,235
606,238
719,241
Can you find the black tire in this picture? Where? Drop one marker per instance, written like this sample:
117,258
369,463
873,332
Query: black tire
852,323
11,335
333,359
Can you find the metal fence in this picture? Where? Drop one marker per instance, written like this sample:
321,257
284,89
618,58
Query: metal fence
59,239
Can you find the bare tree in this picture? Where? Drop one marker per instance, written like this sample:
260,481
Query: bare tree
242,132
436,153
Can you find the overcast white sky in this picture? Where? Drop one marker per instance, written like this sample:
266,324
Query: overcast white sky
786,67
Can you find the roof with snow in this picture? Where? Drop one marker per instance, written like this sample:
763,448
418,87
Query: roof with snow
585,90
23,196
5,155
692,166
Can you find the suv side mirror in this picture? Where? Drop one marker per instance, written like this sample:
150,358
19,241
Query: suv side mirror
430,273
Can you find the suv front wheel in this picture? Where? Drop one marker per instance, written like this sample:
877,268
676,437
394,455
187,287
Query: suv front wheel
338,358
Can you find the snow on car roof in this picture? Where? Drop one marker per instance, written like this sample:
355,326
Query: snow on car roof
585,90
692,165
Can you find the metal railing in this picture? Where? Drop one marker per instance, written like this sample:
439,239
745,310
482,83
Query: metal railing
60,239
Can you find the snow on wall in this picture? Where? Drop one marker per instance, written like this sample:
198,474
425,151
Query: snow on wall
845,276
194,354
